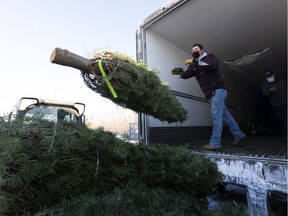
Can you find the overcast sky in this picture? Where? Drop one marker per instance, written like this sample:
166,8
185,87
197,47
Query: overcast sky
31,29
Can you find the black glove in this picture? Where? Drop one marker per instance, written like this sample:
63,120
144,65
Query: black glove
177,71
272,90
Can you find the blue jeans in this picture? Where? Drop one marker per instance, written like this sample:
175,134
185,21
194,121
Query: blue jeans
281,112
220,113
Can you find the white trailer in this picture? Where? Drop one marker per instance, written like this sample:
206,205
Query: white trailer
249,37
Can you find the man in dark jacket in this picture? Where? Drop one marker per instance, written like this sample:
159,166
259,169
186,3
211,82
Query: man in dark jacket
205,68
276,90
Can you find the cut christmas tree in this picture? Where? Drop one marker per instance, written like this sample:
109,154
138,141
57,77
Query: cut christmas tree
82,171
125,82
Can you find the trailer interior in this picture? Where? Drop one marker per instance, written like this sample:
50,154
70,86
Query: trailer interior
249,37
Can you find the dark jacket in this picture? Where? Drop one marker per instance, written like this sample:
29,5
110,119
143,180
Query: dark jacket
279,96
207,76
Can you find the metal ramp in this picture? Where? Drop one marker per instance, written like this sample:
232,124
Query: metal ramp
262,147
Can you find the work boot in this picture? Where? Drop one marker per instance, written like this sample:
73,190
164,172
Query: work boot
239,141
211,147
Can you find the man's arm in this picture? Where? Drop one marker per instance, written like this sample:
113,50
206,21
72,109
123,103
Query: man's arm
212,62
268,89
190,72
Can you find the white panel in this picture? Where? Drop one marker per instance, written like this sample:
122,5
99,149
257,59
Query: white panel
198,112
165,56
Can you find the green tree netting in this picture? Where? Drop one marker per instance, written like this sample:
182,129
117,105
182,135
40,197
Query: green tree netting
137,87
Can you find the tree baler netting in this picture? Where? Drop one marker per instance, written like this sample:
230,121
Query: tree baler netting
138,87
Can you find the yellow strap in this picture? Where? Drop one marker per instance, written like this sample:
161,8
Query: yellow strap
106,79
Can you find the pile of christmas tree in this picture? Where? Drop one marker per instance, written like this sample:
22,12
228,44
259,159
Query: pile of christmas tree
126,82
73,170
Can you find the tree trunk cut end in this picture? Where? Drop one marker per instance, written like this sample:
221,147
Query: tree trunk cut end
66,58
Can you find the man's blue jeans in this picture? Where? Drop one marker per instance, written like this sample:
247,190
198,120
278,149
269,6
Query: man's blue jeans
220,113
281,112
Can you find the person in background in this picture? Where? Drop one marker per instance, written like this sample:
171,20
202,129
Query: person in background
205,68
276,90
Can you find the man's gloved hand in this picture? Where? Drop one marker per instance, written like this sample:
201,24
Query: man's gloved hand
188,61
272,90
177,71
